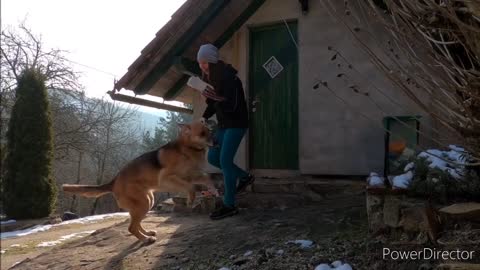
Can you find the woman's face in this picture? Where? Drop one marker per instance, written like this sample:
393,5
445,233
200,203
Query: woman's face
204,66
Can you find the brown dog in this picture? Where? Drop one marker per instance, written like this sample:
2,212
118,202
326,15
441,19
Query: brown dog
175,167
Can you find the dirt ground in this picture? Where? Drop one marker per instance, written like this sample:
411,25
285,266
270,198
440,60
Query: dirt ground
257,238
254,239
26,246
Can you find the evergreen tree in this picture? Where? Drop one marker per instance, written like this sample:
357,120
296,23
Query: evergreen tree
29,187
166,130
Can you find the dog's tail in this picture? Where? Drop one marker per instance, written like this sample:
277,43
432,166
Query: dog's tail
89,190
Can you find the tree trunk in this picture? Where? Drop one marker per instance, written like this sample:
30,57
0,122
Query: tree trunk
74,204
102,164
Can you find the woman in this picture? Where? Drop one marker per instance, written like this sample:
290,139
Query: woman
229,105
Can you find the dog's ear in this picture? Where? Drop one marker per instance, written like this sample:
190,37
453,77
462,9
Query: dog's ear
184,128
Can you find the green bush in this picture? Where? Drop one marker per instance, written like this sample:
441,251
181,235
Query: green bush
441,186
29,187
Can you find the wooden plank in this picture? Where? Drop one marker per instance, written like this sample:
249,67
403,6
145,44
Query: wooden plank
458,266
468,211
148,103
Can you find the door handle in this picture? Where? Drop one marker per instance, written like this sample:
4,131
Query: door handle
254,104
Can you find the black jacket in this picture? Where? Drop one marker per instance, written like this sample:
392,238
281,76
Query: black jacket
231,112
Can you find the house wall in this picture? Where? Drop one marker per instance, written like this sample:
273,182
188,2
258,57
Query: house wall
334,138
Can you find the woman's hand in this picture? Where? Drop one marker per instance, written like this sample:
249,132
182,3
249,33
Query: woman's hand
210,93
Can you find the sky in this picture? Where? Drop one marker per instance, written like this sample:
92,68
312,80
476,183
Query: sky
107,35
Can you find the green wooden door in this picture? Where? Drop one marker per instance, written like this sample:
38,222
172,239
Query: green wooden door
273,97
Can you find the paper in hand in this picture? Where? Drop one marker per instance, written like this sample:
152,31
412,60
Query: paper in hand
197,83
204,88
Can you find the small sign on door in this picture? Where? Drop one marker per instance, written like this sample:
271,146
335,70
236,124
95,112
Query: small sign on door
273,67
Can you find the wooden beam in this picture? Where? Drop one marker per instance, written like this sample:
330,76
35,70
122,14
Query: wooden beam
185,64
182,64
239,21
180,46
176,89
148,103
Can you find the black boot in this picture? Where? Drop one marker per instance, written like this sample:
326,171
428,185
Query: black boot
223,212
244,183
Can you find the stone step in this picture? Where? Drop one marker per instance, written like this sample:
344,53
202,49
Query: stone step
321,185
273,193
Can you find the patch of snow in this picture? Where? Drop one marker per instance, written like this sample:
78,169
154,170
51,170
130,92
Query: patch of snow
49,243
78,235
409,167
280,252
7,222
248,253
375,181
3,251
15,245
90,219
403,180
63,238
15,264
456,155
336,265
42,228
302,243
38,228
344,267
323,266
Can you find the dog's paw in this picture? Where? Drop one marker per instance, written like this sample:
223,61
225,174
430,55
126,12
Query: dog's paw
151,233
150,240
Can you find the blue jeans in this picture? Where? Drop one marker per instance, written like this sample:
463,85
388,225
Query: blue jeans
222,157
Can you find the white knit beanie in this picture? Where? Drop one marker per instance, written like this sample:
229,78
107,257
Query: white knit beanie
209,53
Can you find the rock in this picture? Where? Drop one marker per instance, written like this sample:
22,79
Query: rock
375,212
425,266
208,204
166,205
261,260
69,216
248,253
179,200
55,220
240,261
391,210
